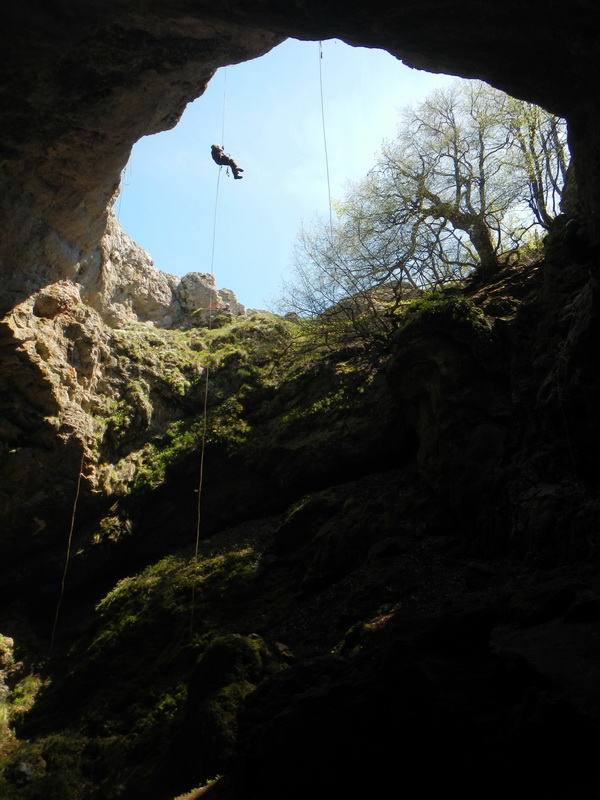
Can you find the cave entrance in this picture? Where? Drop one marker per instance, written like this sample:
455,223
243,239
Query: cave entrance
273,127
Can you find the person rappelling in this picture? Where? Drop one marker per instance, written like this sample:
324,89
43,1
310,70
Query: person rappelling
219,157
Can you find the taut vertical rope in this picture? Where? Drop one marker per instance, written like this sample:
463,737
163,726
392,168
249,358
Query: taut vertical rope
122,184
206,375
204,427
68,555
325,136
222,142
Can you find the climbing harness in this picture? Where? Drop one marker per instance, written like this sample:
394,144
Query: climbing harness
218,151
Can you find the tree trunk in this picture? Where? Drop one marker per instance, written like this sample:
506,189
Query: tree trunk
479,235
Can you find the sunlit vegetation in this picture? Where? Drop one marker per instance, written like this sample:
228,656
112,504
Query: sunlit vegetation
471,184
446,310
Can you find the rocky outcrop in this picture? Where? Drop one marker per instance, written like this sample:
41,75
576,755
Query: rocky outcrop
78,394
53,351
123,285
62,380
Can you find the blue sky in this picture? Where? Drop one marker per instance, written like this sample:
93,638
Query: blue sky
270,111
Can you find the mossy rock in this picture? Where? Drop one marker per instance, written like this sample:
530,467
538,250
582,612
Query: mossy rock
329,534
57,766
445,311
229,659
225,675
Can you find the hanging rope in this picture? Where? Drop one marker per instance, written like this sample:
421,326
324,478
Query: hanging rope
128,166
207,375
214,235
204,423
199,492
68,555
120,196
325,136
222,142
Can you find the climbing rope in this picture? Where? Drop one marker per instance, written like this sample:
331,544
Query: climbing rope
214,234
127,173
222,142
68,554
198,489
325,136
204,424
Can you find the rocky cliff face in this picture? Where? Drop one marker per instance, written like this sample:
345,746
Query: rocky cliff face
63,377
125,287
80,84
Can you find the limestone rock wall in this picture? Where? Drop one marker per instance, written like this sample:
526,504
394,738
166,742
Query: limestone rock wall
77,391
121,282
54,350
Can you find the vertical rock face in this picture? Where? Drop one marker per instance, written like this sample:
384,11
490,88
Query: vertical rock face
65,372
81,82
53,350
122,284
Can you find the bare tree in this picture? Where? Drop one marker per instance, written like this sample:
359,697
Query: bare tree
471,173
540,155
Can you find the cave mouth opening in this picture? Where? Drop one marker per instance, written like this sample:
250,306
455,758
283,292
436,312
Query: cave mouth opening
268,112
